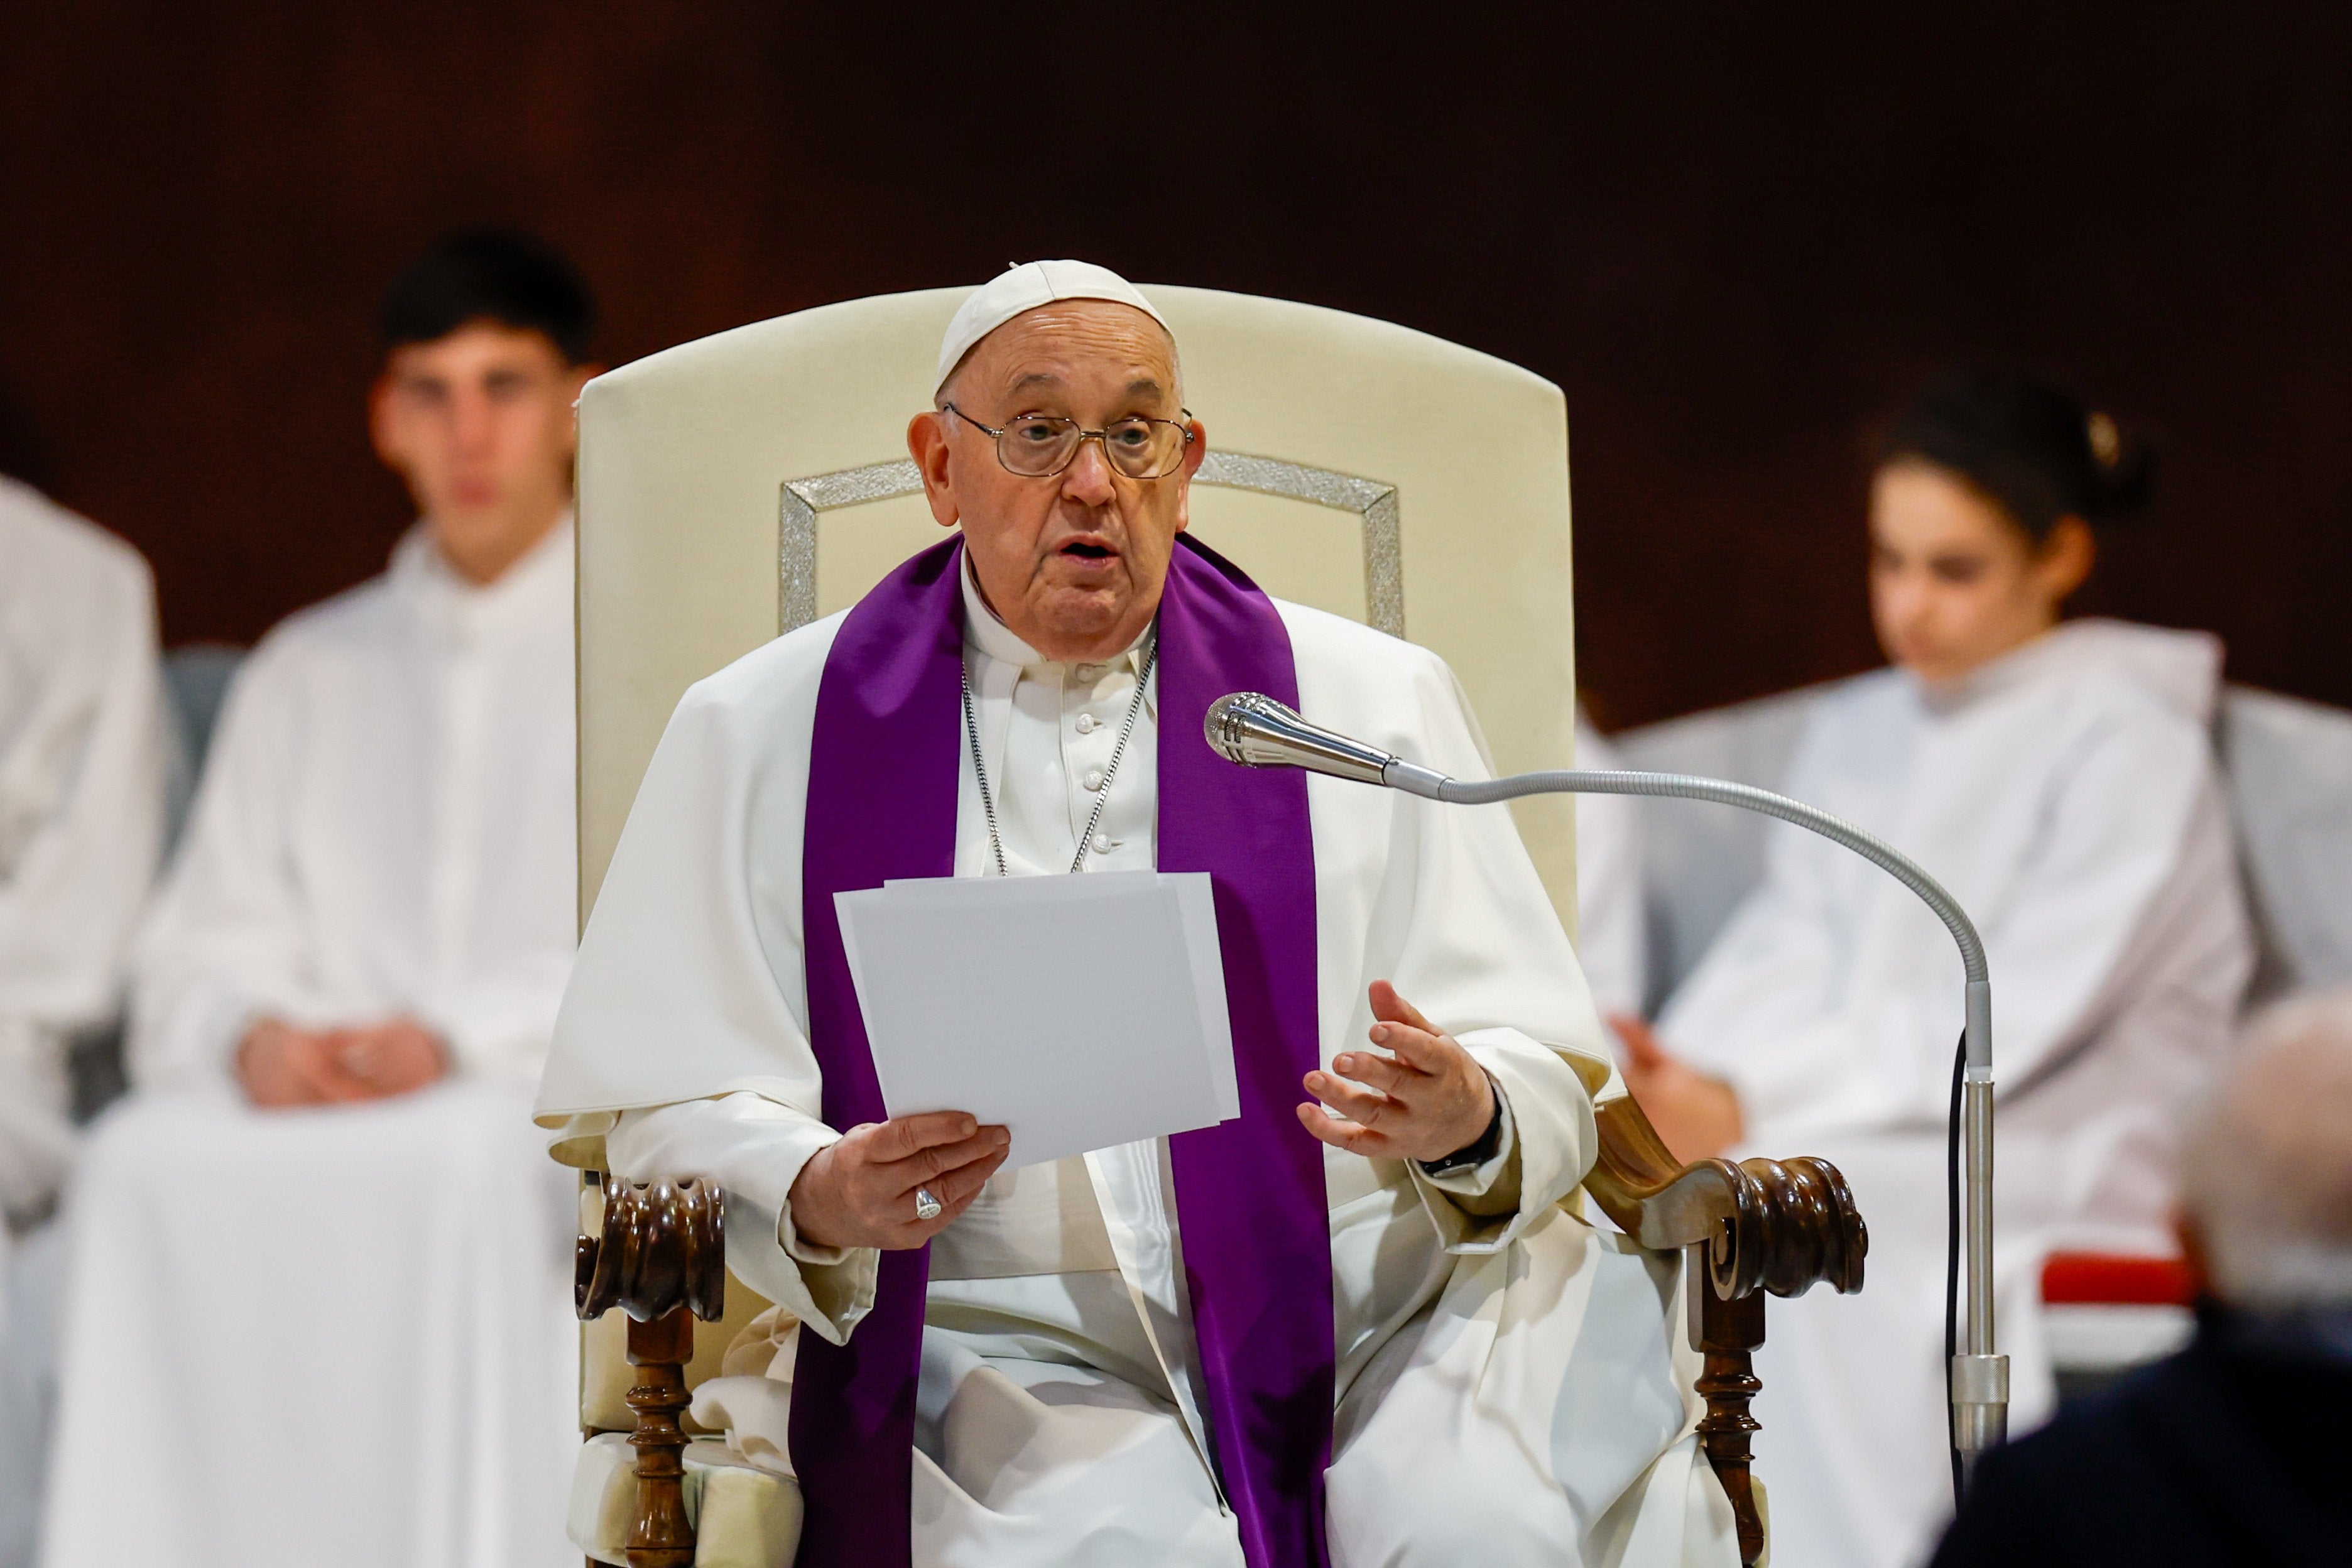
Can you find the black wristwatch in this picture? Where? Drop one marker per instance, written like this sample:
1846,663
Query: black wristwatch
1477,1153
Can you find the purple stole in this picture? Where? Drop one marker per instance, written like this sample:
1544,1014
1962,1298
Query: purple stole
1256,1238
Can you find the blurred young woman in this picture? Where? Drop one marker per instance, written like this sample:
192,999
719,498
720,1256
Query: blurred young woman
2057,777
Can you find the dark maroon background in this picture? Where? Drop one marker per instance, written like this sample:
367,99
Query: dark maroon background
1734,232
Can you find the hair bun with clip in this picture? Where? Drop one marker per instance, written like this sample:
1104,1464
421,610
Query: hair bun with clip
2106,442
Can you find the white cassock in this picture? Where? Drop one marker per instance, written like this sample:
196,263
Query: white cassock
340,1335
82,762
1512,1382
1611,937
2066,795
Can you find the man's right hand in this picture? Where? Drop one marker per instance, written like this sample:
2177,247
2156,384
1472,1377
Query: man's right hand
1696,1115
860,1192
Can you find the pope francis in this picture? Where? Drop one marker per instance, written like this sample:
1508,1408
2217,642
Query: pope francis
1354,1326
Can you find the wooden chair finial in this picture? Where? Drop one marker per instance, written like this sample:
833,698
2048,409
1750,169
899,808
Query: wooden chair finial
661,1256
1776,1227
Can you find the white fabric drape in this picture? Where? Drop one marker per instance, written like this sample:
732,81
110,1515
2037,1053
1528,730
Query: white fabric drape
82,762
330,1336
2065,795
1059,1406
340,1335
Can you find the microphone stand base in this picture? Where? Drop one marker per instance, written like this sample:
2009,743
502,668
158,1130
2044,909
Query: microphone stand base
1979,1406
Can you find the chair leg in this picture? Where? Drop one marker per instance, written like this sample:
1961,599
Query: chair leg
660,1537
1726,1334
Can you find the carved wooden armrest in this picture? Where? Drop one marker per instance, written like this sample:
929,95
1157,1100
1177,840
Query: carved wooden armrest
1776,1225
661,1258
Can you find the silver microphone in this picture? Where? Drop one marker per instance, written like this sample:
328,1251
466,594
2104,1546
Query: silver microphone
1257,731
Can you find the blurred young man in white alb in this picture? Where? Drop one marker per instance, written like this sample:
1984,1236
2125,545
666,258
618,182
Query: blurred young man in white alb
82,763
319,1289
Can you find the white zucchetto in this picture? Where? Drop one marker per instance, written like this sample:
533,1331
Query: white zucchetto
1024,287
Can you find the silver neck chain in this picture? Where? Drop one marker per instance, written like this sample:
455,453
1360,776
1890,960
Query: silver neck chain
1102,795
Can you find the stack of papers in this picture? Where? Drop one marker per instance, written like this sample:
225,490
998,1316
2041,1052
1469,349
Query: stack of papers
1080,1012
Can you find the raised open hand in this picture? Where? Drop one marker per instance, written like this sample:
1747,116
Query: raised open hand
1425,1100
864,1190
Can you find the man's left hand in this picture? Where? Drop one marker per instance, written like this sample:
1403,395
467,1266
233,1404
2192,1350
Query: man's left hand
397,1056
1427,1100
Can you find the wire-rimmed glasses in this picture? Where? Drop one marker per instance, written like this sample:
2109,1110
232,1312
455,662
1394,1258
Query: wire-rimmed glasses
1039,445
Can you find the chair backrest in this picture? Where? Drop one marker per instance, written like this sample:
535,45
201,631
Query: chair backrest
196,678
736,487
2288,764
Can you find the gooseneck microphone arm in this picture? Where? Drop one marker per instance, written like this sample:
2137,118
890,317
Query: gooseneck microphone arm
1258,732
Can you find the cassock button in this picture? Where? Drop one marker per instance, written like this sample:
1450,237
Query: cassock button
1103,846
1089,673
1092,779
1085,724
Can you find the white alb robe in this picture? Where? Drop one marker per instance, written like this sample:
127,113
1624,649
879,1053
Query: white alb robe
1513,1385
341,1334
1611,934
2066,795
82,762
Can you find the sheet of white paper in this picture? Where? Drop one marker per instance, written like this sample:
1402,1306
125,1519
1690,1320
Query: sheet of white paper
1080,1012
1196,901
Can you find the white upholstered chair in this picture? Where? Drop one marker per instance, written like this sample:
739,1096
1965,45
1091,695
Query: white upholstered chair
740,486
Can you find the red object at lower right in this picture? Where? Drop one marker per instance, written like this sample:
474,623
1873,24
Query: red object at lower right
2074,1279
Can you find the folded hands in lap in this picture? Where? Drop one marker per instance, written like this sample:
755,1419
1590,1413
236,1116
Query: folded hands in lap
282,1065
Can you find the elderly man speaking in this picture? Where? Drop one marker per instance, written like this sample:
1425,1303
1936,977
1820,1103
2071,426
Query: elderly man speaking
1353,1326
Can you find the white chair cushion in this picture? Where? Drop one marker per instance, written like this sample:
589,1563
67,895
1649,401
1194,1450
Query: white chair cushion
742,1516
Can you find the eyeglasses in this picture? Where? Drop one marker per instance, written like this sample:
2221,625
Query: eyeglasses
1038,446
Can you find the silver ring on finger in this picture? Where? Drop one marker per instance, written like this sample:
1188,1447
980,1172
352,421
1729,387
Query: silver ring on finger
926,1207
